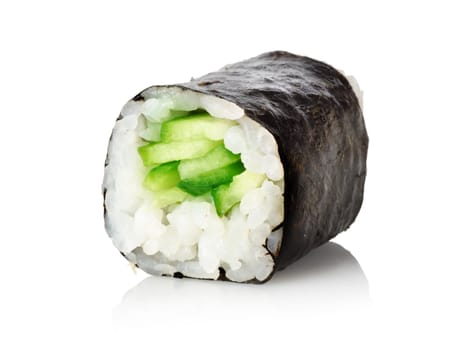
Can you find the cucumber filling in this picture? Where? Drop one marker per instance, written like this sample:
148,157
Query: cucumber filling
188,157
194,187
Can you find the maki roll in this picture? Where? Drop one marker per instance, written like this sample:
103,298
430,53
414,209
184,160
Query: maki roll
236,174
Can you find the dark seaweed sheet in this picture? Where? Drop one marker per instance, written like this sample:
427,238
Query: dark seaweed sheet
314,114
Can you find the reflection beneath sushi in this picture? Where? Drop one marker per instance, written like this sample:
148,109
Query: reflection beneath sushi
328,280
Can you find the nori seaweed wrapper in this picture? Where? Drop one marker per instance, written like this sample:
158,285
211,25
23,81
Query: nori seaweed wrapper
315,117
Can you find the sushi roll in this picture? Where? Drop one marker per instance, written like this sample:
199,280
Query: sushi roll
237,174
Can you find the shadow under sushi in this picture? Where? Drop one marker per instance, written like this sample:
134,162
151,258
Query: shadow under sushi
327,280
329,267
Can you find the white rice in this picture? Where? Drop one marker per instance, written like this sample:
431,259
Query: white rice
190,238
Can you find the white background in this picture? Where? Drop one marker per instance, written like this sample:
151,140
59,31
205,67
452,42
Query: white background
390,281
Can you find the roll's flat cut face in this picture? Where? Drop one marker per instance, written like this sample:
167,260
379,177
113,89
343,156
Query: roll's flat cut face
236,174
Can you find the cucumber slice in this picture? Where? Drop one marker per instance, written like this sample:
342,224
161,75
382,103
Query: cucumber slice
170,196
219,157
203,183
162,177
228,195
161,152
194,127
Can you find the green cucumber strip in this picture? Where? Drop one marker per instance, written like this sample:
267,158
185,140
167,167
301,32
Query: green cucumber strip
203,183
194,127
169,196
152,130
228,195
161,152
219,157
162,177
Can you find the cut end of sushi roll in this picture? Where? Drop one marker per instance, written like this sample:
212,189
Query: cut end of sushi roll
194,188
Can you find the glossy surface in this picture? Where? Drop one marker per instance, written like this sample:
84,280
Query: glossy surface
159,152
205,182
162,177
194,128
